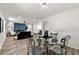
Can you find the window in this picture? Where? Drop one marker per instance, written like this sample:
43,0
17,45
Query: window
1,25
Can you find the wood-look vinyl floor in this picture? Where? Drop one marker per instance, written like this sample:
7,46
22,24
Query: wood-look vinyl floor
14,47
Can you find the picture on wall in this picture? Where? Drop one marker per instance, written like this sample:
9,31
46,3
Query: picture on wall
1,25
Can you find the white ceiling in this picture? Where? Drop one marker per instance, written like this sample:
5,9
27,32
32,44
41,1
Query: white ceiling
33,10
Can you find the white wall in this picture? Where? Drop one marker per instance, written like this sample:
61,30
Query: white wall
37,26
66,23
3,34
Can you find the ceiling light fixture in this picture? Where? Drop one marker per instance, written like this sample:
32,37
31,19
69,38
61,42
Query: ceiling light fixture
44,6
11,19
19,17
